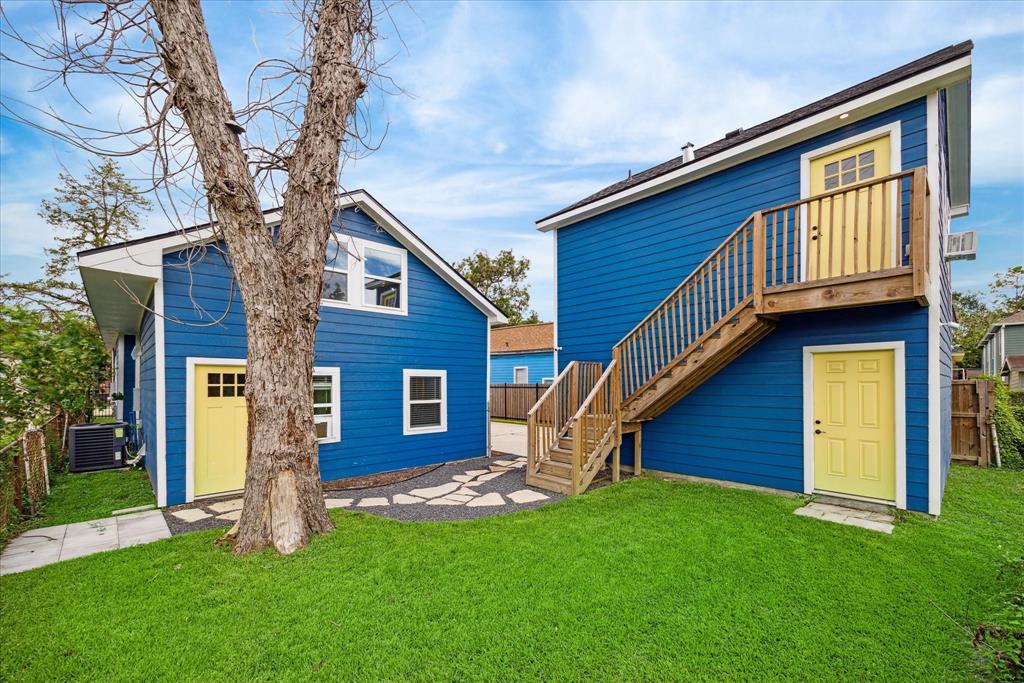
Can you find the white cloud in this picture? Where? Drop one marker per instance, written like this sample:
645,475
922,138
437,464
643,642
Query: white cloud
997,118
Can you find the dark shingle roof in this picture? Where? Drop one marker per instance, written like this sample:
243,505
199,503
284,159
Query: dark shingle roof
944,55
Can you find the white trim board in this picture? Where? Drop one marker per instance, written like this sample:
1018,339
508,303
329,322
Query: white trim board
516,369
893,130
934,314
161,393
900,405
857,109
191,362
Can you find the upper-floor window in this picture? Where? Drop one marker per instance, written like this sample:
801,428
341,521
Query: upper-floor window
380,271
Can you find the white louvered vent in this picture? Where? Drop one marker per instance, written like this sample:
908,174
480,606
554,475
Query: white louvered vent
962,246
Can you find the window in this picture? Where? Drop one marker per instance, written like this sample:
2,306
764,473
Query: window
225,384
852,169
327,404
382,278
378,270
425,398
335,272
521,375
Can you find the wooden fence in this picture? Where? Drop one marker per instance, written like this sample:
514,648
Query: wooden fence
513,401
974,403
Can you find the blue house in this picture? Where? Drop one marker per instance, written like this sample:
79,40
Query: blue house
401,361
772,308
523,354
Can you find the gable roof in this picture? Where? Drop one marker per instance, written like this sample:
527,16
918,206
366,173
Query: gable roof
523,338
1013,363
129,270
1012,319
737,139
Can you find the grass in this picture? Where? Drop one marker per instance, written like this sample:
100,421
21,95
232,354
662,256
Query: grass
643,580
92,495
505,420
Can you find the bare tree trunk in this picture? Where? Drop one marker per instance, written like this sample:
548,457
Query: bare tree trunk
280,278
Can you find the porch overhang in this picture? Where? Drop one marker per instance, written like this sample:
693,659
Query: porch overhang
117,301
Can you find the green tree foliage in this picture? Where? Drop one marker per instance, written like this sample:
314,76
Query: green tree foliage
976,312
95,212
1009,427
502,279
49,364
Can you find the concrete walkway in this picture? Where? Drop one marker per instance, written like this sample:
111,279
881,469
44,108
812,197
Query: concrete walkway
508,439
40,547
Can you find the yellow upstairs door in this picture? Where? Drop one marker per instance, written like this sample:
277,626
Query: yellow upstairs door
855,423
850,232
220,428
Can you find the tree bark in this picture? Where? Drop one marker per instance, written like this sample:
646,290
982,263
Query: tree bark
280,277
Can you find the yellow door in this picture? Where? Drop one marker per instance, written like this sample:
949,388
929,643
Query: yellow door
850,232
220,428
855,423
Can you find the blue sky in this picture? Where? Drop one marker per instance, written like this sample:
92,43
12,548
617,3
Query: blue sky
513,110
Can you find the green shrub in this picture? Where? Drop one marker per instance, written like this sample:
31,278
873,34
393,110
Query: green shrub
1010,427
1000,639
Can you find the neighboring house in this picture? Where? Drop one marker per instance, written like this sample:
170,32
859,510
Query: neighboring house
1013,368
776,317
1003,339
401,360
523,354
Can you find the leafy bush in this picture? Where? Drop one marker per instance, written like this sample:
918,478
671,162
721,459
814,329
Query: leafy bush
1001,638
1010,427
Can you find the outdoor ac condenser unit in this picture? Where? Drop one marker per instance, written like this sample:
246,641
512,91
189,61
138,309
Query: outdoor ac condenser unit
962,246
96,446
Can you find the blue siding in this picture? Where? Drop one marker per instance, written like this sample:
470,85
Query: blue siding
443,331
541,364
753,407
128,405
147,391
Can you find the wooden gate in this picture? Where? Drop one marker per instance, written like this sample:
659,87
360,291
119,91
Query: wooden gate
513,401
974,402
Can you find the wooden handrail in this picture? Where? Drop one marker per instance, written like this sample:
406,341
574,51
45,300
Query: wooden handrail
843,190
597,420
549,419
550,388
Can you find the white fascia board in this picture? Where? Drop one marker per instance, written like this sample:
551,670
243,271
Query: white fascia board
418,247
859,108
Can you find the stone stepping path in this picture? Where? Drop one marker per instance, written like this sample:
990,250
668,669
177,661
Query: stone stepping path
865,519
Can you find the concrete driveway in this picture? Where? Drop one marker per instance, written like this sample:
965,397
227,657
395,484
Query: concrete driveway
508,439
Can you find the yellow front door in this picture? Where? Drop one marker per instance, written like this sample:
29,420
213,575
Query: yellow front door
850,232
220,428
855,423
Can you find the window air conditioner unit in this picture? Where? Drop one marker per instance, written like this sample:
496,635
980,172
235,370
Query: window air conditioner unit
962,246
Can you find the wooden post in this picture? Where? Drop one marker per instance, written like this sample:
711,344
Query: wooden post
638,450
615,464
919,234
760,254
981,387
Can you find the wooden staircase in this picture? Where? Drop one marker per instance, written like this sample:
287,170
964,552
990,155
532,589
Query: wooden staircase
726,305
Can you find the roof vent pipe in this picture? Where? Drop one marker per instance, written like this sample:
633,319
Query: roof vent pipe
687,152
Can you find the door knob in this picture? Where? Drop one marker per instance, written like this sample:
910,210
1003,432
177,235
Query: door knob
818,431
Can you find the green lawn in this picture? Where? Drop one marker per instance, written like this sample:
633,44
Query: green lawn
93,495
643,580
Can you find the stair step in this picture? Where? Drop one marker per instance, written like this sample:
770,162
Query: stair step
560,454
548,483
556,468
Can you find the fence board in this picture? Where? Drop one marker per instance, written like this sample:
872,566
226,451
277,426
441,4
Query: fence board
973,403
513,401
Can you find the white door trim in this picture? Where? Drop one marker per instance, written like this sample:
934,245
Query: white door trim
899,403
893,130
516,369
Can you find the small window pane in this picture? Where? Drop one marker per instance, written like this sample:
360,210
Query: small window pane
849,177
335,286
425,388
425,415
849,162
321,430
229,391
228,378
241,390
321,410
382,293
867,172
832,169
867,157
240,378
383,264
213,378
213,391
336,256
832,183
321,396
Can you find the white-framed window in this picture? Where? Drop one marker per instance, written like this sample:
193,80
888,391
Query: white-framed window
520,375
327,404
425,401
547,380
365,275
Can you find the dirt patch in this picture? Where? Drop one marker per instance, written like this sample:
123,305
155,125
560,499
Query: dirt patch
374,480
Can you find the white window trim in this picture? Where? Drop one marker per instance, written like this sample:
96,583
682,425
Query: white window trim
334,433
516,370
900,404
357,273
893,131
407,429
190,412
